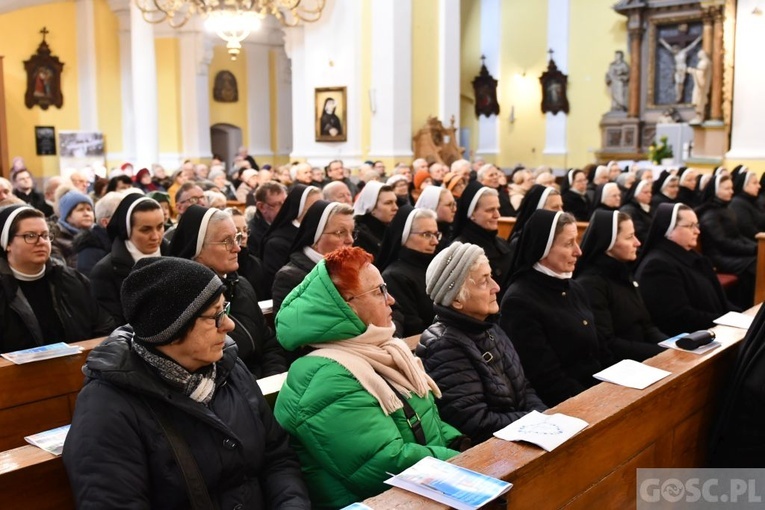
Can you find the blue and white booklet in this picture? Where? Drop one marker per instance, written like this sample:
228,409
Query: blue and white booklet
449,484
51,440
40,353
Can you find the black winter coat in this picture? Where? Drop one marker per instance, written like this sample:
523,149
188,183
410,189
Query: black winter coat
576,204
553,330
276,252
91,246
640,218
483,387
290,277
369,233
621,318
405,278
258,227
255,340
117,456
497,251
750,219
680,289
79,314
107,277
723,243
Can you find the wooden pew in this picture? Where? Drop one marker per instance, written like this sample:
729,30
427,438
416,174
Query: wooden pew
759,286
236,204
506,224
665,425
33,478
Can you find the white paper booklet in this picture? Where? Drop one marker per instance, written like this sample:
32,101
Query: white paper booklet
357,506
548,431
672,344
631,374
43,352
51,440
735,319
451,485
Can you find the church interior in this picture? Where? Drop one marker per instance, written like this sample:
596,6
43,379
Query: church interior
154,94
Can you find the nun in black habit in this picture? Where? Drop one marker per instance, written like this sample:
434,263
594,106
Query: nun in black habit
408,247
547,315
749,216
665,189
373,211
574,193
678,284
538,197
637,203
737,438
608,197
477,222
107,275
326,226
688,193
255,340
624,325
275,249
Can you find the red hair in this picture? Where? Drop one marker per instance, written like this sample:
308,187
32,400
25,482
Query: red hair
344,266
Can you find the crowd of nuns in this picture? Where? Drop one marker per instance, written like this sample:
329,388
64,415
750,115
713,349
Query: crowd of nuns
507,326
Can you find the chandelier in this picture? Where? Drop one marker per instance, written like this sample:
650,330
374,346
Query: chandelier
232,20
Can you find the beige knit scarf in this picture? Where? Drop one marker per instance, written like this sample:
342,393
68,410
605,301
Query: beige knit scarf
376,356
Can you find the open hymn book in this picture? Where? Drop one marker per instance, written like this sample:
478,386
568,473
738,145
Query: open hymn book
449,484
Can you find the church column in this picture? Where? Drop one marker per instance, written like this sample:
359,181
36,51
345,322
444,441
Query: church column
488,127
557,41
195,52
86,65
636,40
390,94
259,93
121,9
283,90
715,108
449,61
143,72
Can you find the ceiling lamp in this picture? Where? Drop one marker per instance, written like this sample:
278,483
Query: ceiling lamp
232,20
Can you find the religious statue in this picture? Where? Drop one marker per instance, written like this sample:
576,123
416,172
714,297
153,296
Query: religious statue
617,78
681,64
702,75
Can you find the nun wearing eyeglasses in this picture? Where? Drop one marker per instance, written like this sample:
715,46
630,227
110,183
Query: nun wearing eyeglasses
209,237
359,405
441,201
483,386
42,301
609,248
136,230
408,247
547,315
326,227
679,285
477,223
169,417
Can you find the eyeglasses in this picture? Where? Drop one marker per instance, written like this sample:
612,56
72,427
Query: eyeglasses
244,231
193,200
229,242
692,226
32,237
218,317
428,235
342,234
451,205
383,288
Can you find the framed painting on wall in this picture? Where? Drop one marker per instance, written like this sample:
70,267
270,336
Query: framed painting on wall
331,107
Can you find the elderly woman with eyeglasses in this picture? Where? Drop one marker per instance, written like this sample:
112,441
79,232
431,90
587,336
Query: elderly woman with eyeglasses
42,301
209,236
326,227
359,405
409,245
169,417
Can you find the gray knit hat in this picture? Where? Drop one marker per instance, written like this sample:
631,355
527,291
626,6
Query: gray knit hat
162,295
448,270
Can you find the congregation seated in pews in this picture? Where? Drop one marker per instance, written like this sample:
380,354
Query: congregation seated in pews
336,317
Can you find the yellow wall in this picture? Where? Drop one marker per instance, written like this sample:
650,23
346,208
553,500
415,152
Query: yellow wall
424,62
470,66
21,28
523,46
108,84
589,56
230,113
169,95
366,79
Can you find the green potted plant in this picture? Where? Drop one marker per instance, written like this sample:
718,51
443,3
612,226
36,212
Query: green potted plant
662,151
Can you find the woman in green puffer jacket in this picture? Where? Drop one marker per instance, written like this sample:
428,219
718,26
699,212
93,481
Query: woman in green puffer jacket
345,403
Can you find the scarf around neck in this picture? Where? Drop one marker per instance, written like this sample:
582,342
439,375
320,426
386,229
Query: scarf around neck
375,357
199,386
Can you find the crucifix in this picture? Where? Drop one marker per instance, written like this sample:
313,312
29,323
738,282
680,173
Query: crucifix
551,51
679,46
44,32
